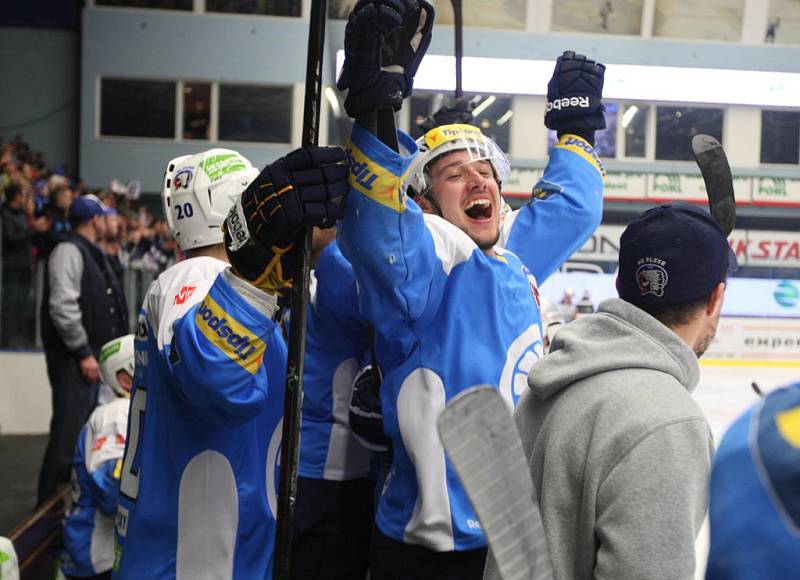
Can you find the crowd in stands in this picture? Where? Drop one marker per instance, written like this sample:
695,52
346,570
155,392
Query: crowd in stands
34,203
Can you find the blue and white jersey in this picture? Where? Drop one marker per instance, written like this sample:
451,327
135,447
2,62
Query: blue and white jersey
198,494
450,317
336,342
96,468
754,511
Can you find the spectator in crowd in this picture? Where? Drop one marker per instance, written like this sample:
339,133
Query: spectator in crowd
772,28
610,413
82,308
754,512
110,242
56,210
584,305
552,320
17,214
567,305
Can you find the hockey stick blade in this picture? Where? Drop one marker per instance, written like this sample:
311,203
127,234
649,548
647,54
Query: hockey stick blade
713,164
482,442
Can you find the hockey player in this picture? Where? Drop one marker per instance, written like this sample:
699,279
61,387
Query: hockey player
335,493
89,524
199,478
337,469
452,294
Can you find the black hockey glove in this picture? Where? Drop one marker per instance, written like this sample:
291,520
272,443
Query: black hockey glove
574,97
457,111
305,188
366,412
384,43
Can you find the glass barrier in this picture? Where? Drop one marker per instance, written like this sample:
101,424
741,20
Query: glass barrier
21,291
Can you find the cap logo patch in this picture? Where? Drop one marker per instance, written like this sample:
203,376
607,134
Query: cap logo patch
651,277
183,178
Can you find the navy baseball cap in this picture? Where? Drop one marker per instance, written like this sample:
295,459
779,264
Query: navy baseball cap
85,208
672,254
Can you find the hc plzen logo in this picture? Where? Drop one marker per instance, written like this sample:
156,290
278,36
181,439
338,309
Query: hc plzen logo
183,178
786,294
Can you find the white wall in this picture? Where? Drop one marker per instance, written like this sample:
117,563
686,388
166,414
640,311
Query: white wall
25,405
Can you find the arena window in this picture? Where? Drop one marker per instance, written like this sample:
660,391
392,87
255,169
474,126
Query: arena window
264,7
196,111
675,127
780,137
492,114
137,108
255,113
162,4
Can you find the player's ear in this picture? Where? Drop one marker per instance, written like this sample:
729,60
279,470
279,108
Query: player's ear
717,296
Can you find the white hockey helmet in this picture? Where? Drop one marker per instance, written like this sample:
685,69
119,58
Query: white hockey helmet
198,191
117,355
446,139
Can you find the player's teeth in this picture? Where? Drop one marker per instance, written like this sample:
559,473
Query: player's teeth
474,202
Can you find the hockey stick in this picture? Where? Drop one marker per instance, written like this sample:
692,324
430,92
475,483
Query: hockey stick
482,442
713,164
293,396
458,25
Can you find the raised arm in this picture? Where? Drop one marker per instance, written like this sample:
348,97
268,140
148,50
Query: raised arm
567,203
383,232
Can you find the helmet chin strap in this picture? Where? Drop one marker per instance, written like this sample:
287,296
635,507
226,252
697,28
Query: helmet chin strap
429,198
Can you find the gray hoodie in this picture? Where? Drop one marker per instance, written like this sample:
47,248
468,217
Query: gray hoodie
619,450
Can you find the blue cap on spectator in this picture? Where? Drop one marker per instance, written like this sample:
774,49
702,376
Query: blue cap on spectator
672,254
85,208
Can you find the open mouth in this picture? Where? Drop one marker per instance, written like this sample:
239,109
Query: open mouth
479,209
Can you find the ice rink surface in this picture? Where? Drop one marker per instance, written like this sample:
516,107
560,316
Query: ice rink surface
724,393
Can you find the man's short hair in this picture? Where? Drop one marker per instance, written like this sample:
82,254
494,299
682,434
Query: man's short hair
672,255
679,314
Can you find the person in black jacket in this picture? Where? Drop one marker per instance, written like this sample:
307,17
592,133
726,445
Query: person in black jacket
83,307
17,272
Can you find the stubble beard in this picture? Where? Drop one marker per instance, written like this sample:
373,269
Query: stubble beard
701,346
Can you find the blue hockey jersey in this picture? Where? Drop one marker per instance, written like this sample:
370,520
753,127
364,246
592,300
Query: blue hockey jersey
198,494
336,342
96,469
450,317
754,511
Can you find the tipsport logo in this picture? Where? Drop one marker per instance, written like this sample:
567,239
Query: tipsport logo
235,340
360,170
374,181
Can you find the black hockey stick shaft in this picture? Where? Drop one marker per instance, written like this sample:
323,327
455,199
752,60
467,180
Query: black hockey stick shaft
293,397
713,164
458,25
